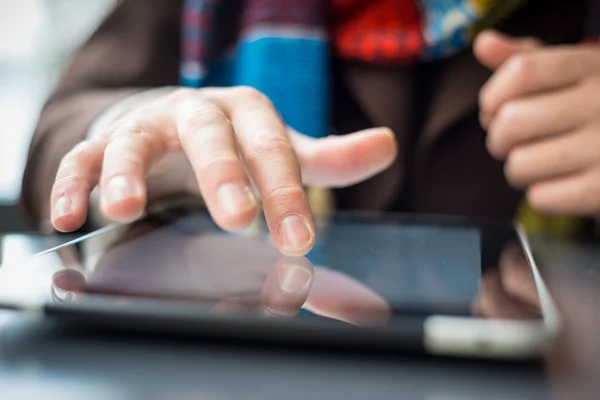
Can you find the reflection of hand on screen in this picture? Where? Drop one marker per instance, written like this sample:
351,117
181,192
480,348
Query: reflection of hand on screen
508,291
338,296
282,294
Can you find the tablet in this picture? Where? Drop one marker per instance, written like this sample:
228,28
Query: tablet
446,286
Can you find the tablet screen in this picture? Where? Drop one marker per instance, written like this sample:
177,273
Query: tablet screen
363,270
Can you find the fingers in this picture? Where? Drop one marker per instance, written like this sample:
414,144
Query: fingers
287,286
339,161
234,139
77,175
493,48
128,156
272,162
552,158
575,194
524,120
208,140
535,71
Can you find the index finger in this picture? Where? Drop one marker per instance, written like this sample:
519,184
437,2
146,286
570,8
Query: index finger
275,169
537,71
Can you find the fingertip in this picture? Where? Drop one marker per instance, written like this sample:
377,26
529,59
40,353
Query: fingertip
123,198
489,36
296,253
490,48
387,131
495,149
392,142
484,119
68,223
234,206
380,130
384,147
69,211
482,41
296,235
238,221
124,211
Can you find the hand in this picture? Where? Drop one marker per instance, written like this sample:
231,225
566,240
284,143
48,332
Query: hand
268,283
542,112
233,138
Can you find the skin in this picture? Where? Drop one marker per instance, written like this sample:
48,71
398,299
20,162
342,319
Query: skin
233,140
541,109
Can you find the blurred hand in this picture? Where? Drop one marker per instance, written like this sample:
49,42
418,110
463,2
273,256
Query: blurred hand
233,139
542,112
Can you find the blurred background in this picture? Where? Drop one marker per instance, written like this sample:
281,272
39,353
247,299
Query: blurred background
36,39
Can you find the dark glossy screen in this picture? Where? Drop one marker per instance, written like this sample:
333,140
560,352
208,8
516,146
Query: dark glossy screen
363,270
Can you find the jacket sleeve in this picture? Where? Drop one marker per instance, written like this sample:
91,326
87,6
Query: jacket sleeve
593,20
135,48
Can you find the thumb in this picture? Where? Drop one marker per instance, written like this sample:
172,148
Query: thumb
338,161
493,48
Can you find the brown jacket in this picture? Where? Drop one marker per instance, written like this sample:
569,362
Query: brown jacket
443,167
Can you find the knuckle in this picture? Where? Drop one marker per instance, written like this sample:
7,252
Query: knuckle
82,151
62,183
215,164
126,138
492,148
522,68
132,142
265,144
182,94
516,167
251,94
204,116
502,133
127,130
495,147
538,200
485,100
509,118
284,194
83,155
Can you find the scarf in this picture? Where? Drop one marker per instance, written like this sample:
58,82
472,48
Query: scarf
283,47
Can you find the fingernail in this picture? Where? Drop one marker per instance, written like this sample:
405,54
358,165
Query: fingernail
234,199
388,131
120,188
295,233
293,279
63,207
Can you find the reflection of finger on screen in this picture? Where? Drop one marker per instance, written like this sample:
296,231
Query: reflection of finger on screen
66,284
517,277
231,305
338,296
287,286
